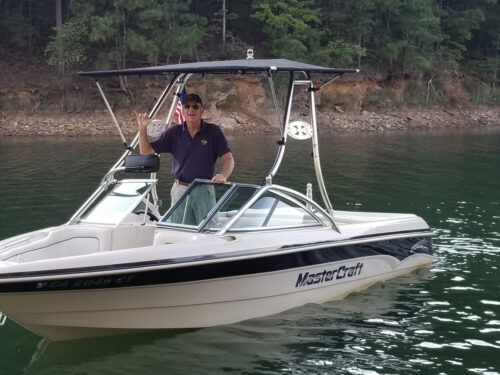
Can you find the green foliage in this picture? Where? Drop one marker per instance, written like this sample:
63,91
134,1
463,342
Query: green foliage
154,30
420,93
15,29
414,33
68,50
381,98
13,104
406,37
338,53
458,25
482,85
350,22
289,26
25,26
476,91
167,28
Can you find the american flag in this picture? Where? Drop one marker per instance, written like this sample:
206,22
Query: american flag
178,110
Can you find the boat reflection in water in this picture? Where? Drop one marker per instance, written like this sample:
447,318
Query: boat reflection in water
121,266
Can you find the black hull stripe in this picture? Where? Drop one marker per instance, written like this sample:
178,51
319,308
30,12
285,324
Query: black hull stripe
127,267
398,248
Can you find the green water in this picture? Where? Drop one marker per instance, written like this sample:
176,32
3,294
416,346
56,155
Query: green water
443,320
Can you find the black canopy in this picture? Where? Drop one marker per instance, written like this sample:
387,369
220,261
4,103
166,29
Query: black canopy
223,67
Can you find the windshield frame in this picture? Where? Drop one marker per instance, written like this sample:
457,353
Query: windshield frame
201,226
284,192
104,194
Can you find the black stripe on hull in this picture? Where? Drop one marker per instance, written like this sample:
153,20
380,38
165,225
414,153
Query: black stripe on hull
397,248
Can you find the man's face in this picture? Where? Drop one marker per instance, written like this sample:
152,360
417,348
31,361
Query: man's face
192,111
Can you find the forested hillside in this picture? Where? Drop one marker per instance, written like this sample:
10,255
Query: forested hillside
420,41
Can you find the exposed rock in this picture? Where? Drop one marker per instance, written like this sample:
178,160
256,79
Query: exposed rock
30,102
410,119
248,113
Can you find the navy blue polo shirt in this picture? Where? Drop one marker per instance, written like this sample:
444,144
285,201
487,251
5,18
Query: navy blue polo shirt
193,157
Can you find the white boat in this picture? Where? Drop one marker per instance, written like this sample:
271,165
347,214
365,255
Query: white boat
119,265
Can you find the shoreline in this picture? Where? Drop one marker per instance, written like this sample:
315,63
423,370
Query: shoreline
93,123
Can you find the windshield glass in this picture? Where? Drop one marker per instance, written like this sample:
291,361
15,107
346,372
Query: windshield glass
274,211
196,203
116,202
232,205
210,206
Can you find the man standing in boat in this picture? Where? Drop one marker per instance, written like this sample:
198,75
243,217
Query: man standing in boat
195,146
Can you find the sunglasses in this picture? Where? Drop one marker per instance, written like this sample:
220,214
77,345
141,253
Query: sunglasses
194,106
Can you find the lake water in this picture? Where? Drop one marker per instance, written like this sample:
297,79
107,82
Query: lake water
442,320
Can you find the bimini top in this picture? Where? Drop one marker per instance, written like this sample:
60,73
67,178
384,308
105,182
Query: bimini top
224,67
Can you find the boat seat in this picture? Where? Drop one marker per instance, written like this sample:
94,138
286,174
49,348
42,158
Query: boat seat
59,242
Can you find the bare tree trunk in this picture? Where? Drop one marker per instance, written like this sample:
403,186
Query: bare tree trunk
495,69
58,6
59,25
429,84
223,25
359,54
30,35
123,57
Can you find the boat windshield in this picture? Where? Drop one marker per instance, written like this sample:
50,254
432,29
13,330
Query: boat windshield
116,202
203,200
208,206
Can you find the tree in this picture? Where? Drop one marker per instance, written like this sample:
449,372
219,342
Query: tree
59,22
166,28
223,24
347,29
338,52
459,19
151,29
223,16
142,29
289,26
67,51
407,33
25,26
410,36
483,52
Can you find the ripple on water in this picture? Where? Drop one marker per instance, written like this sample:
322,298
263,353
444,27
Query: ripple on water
484,371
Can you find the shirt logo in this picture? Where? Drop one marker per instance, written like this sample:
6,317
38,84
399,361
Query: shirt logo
204,142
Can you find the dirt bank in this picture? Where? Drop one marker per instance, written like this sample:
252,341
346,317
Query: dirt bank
407,119
238,106
100,123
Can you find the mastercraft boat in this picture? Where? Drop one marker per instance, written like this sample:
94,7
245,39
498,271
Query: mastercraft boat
122,265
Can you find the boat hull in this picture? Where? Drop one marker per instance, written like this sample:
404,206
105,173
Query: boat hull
207,294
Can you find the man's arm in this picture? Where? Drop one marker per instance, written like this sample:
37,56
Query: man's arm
226,170
144,145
